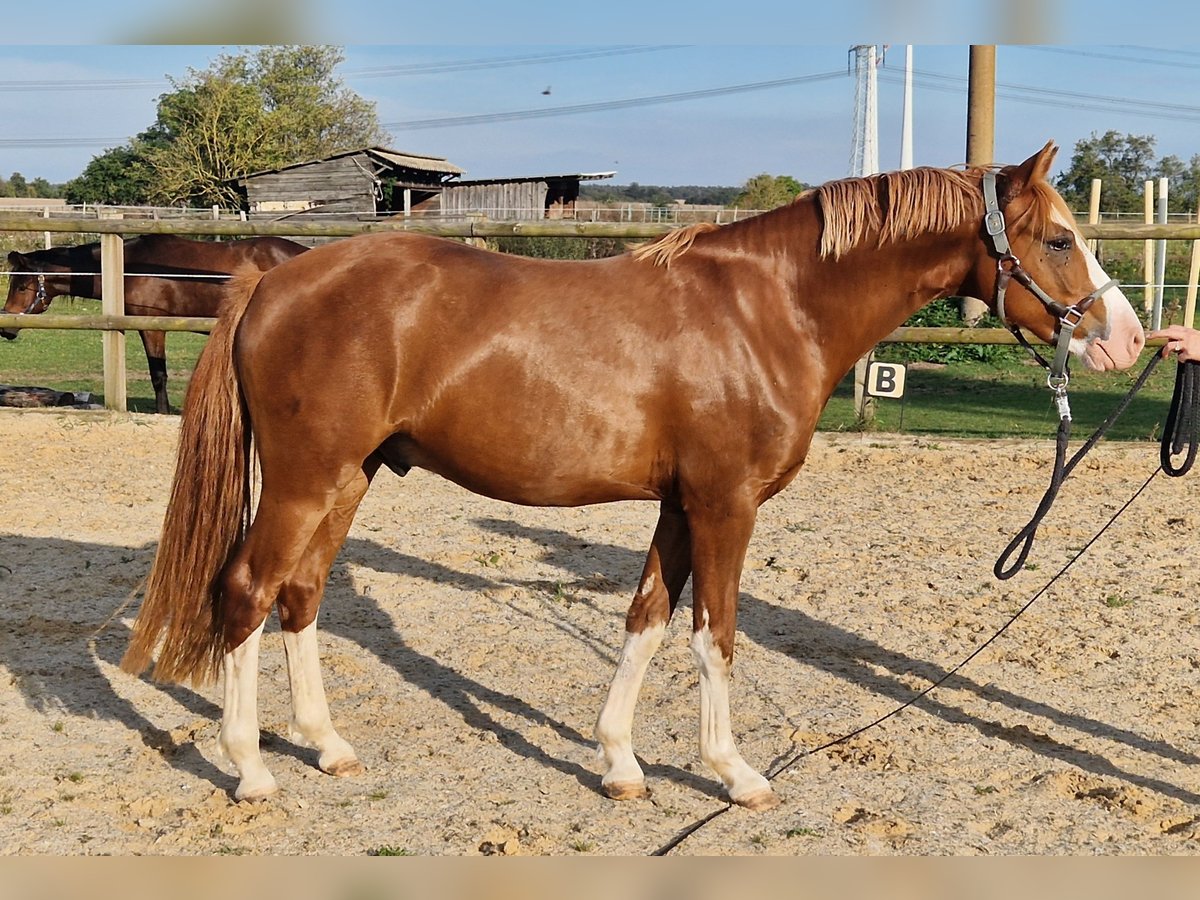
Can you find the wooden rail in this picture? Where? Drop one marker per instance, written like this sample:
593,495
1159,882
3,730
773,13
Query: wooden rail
1106,231
113,323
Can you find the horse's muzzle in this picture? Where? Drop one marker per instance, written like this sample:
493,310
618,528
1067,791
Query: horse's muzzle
7,334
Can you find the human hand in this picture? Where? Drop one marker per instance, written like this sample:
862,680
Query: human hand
1181,340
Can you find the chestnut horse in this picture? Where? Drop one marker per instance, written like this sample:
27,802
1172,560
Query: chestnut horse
690,372
185,278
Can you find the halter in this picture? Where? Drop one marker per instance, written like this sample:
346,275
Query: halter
39,297
1009,267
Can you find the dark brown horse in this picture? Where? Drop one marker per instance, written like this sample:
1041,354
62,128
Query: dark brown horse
690,372
182,278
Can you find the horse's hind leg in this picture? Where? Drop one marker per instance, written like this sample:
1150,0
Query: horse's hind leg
663,577
282,529
299,600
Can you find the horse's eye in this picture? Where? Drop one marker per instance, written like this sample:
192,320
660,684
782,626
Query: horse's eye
1059,244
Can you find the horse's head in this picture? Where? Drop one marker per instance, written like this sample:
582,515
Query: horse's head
1039,275
31,287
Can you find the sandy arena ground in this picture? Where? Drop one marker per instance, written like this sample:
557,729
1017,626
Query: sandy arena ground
468,644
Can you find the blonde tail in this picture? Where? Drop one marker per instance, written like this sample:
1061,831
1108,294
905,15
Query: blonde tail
207,514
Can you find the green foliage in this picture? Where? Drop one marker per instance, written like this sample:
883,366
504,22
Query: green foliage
945,314
656,195
560,247
1124,163
16,185
259,109
120,176
769,191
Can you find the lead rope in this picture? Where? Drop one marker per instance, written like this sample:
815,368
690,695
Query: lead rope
1182,431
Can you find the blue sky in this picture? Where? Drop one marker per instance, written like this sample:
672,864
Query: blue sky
1075,82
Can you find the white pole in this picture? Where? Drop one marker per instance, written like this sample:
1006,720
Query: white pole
1160,258
906,137
1094,211
871,136
1189,307
1148,249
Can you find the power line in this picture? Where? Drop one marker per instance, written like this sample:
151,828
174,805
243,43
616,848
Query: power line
602,105
68,85
1111,57
500,62
1057,98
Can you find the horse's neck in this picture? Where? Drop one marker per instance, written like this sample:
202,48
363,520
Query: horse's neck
866,294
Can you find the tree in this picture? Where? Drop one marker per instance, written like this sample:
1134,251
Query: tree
260,109
769,191
1183,180
120,176
1124,162
273,107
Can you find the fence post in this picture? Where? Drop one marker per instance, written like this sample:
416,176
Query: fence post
1189,307
1160,259
1094,214
112,303
1148,248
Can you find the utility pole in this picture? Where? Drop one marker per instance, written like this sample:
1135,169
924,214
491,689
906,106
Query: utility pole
864,160
981,134
864,152
906,137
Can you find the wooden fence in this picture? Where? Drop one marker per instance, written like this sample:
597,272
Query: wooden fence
113,323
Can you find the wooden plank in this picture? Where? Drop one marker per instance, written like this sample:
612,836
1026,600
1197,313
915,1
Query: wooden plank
112,303
1104,231
202,324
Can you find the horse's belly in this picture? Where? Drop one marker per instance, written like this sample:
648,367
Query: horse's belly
519,473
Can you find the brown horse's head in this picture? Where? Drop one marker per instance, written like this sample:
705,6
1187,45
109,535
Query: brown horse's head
1040,250
32,285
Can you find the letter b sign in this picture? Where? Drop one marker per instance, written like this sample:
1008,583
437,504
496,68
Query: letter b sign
885,380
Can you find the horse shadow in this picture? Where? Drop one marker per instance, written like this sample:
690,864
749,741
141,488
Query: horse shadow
76,684
41,640
84,688
858,660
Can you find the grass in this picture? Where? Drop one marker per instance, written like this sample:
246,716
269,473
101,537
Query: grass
72,360
1009,399
389,850
1005,397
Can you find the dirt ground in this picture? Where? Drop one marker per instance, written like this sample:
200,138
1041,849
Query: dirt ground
468,644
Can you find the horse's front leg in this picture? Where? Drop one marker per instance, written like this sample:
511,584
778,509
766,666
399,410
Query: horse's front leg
668,565
155,344
719,540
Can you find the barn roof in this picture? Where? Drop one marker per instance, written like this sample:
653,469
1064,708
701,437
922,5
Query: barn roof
580,176
385,155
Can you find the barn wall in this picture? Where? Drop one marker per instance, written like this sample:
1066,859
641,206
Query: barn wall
504,200
338,182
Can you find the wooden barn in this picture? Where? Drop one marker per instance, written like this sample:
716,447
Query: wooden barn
363,183
506,199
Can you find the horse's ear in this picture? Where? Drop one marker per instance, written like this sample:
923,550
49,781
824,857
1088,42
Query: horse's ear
1036,168
15,259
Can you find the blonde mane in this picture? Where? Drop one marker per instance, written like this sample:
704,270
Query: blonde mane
918,201
664,250
893,206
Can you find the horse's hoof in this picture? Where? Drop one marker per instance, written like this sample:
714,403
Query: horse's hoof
759,801
344,768
255,790
625,790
